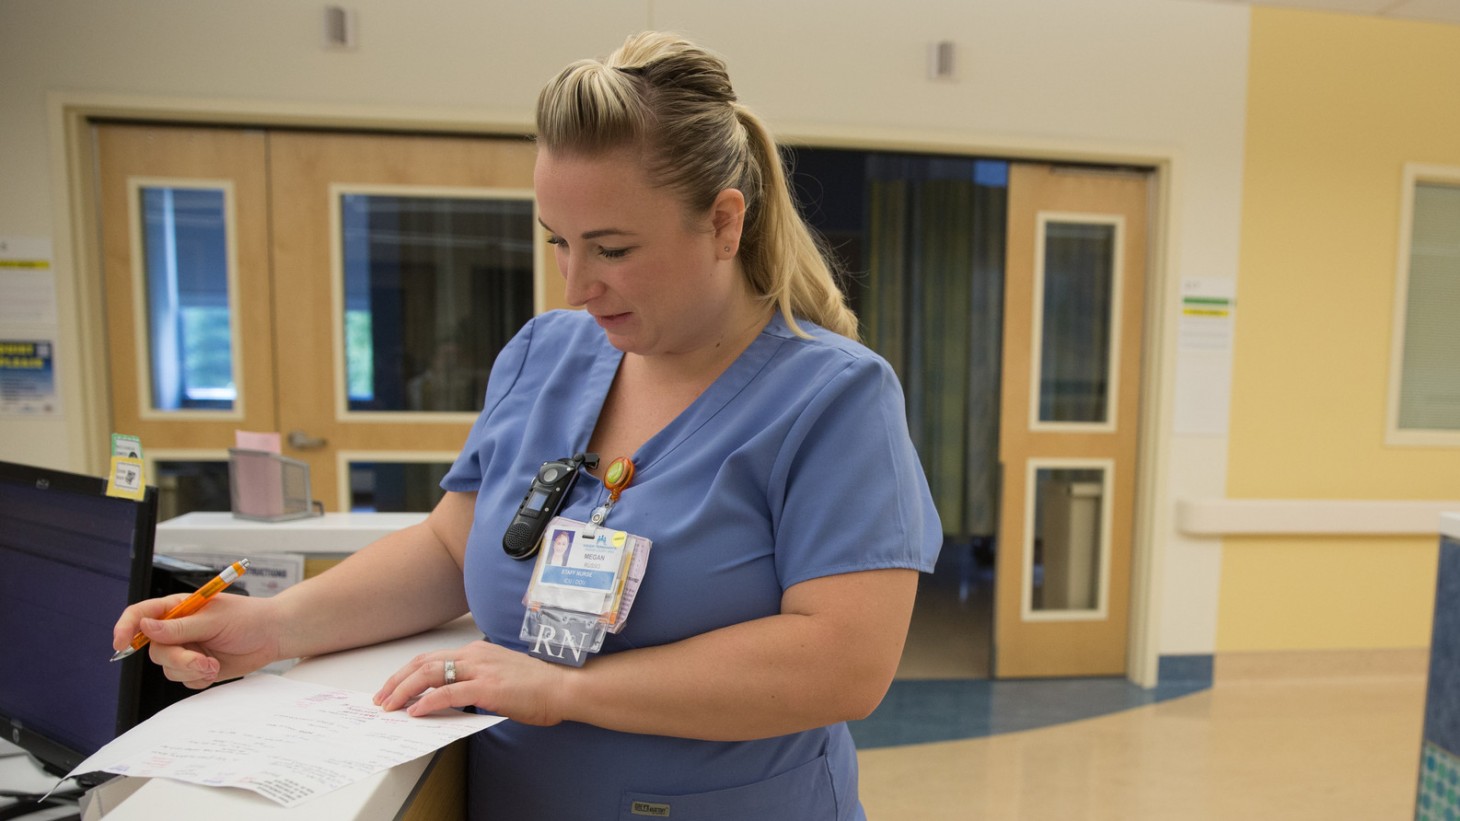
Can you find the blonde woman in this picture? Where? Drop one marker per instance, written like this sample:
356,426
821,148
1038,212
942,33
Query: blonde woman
788,513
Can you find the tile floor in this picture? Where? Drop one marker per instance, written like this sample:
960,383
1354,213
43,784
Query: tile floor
1290,751
949,744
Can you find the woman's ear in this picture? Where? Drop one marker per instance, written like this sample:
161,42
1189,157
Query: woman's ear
727,215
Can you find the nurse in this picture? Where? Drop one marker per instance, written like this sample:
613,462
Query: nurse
764,456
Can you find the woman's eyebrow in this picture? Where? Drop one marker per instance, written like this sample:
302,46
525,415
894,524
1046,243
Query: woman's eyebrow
596,233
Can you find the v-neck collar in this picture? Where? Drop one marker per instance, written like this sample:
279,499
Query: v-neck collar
729,384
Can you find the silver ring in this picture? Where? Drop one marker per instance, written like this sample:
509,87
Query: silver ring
450,672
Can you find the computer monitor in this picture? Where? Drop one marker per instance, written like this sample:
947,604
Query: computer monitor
71,559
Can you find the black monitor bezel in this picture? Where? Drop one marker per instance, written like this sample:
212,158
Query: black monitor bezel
60,758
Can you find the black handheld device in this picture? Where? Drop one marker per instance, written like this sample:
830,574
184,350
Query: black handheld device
542,502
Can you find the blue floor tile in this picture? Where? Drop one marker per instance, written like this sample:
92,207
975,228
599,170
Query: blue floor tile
919,712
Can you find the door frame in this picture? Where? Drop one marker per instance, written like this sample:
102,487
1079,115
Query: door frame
76,247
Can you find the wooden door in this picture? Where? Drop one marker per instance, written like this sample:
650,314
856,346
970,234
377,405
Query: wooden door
188,205
401,231
1070,404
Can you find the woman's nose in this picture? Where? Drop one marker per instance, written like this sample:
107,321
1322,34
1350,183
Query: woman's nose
580,285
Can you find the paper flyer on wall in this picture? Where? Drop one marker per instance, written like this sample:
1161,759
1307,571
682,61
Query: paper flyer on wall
28,378
28,280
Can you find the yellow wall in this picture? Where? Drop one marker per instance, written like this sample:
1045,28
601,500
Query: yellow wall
1337,104
1326,594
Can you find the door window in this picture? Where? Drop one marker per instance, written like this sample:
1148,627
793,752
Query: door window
395,487
1076,275
434,286
186,264
1067,554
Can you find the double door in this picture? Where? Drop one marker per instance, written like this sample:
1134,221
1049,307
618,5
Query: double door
346,291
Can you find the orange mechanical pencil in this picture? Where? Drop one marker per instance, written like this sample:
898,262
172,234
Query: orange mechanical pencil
191,604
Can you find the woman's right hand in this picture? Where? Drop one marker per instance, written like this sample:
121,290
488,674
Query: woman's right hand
233,636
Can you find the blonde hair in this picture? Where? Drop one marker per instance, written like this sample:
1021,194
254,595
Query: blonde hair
673,102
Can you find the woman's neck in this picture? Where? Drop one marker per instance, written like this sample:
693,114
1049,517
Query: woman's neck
699,368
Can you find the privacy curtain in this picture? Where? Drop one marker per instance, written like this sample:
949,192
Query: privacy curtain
931,304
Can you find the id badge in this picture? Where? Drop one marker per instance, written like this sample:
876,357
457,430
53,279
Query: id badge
582,588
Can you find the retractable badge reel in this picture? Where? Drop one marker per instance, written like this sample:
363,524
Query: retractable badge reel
620,472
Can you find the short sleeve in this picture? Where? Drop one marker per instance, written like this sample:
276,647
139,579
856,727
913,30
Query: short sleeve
851,491
466,472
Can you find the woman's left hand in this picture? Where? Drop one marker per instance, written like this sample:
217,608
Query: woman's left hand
498,680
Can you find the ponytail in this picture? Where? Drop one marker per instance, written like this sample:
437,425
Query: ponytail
783,259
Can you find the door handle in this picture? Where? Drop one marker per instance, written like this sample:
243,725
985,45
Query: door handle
299,440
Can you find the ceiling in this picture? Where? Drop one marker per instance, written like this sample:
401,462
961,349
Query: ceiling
1433,11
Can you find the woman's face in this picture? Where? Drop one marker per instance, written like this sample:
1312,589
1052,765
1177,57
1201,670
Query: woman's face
560,543
659,281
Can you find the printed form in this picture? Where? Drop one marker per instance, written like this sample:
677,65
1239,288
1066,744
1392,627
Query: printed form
284,739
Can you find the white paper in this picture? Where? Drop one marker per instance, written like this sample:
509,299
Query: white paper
1203,390
1207,313
286,740
27,280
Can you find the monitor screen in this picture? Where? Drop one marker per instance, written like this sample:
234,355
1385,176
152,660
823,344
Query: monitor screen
71,559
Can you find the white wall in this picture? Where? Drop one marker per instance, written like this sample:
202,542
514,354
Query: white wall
1154,80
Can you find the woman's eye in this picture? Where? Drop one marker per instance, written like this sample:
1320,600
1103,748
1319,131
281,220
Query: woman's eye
612,253
556,241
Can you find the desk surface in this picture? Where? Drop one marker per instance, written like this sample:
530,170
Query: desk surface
379,796
330,533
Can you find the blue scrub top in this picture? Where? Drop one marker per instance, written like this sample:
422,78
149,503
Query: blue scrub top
794,464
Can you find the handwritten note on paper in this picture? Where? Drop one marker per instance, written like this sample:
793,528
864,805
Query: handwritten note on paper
286,740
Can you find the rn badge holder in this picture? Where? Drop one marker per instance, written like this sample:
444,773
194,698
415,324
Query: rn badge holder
582,587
